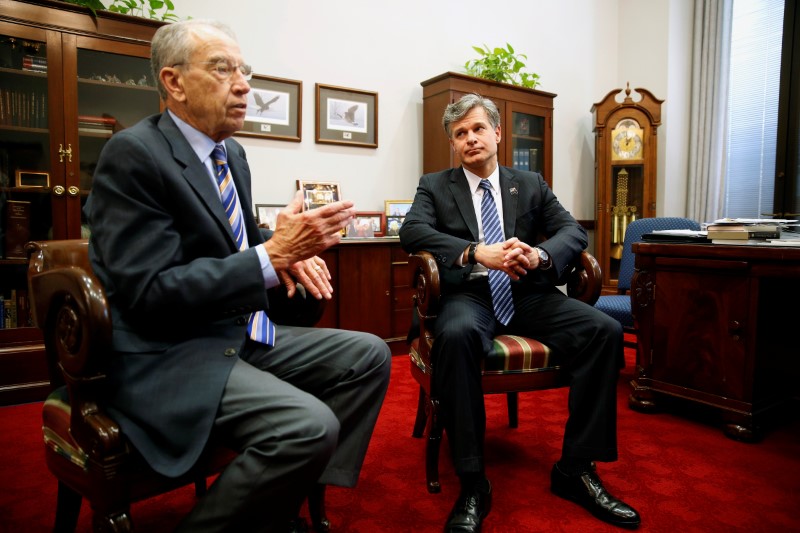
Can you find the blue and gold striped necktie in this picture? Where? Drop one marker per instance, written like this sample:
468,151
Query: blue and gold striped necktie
499,282
259,327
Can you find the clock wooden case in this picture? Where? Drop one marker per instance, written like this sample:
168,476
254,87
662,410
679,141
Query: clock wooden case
626,150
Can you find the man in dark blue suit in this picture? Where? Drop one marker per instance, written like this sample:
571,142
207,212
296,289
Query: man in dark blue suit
446,220
184,273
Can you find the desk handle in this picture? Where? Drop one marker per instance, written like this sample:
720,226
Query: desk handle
735,329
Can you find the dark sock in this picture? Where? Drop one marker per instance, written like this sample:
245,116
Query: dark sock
474,480
573,466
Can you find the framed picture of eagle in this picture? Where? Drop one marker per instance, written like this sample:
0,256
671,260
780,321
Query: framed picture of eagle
274,109
347,116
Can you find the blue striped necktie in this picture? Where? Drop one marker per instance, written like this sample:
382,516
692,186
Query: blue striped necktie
499,282
259,327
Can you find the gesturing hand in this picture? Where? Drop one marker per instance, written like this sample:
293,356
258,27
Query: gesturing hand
300,235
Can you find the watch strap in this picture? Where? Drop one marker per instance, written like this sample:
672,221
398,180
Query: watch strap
471,253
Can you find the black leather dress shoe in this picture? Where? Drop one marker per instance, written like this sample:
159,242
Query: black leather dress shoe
587,490
470,509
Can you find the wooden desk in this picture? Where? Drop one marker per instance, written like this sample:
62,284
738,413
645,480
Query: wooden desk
717,325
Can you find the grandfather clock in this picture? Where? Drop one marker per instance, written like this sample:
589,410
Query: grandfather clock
626,149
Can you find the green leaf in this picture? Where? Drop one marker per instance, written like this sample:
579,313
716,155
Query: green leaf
501,65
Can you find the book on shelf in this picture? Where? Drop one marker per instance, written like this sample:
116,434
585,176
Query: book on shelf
10,312
17,228
94,119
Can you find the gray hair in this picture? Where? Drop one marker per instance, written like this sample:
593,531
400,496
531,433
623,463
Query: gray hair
173,44
458,110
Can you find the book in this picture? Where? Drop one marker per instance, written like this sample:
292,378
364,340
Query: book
18,228
741,242
744,234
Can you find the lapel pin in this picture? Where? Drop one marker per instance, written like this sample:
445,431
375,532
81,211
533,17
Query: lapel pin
513,191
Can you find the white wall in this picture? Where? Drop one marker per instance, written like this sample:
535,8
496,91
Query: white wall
582,49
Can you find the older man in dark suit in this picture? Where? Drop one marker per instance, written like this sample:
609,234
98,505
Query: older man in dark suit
484,224
186,271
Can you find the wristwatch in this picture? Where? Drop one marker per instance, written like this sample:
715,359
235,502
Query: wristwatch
471,253
544,259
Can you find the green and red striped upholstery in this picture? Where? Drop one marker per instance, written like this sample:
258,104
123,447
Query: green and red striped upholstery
510,354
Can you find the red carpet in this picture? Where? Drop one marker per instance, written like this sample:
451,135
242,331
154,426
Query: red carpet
676,468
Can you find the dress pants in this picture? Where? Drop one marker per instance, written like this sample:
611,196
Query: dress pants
300,413
584,340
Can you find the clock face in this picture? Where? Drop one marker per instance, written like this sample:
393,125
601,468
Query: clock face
626,140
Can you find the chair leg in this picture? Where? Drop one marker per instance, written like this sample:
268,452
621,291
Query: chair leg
419,423
68,508
513,409
119,522
432,448
200,487
316,508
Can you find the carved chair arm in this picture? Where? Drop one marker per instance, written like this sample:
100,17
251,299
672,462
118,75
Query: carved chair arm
585,280
69,306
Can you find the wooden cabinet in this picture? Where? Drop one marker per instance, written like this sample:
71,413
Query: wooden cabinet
713,328
372,291
68,81
526,117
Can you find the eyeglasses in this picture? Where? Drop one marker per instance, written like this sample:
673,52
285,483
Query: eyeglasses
224,69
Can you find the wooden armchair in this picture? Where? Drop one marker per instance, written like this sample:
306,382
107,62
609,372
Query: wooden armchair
84,447
515,364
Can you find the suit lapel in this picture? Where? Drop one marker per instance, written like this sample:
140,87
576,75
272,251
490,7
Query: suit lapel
241,177
196,174
459,188
509,193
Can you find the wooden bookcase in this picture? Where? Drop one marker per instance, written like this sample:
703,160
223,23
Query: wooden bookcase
526,123
68,81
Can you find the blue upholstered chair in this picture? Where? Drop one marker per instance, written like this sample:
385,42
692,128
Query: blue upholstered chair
619,305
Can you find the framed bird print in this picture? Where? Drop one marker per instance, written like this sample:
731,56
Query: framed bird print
347,116
274,109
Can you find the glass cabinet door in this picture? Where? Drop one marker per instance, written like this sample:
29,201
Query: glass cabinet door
25,164
527,141
114,91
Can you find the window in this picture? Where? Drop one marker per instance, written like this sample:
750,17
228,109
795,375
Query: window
755,88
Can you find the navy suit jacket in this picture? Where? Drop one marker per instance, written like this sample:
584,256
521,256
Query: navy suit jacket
179,290
442,221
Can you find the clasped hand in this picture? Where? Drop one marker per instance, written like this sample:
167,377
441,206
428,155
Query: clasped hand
513,257
299,236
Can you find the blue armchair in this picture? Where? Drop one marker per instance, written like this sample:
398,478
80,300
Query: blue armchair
619,305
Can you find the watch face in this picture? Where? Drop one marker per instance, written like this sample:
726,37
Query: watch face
626,140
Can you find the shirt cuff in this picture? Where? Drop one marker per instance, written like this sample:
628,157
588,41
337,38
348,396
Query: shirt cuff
267,270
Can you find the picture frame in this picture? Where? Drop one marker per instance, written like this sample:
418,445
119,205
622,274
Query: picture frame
346,116
318,193
397,208
367,224
274,109
267,215
32,179
393,224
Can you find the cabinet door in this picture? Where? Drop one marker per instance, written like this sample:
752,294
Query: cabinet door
29,78
700,330
108,87
526,139
365,289
27,173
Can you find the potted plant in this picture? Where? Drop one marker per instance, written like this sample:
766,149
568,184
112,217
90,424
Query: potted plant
503,65
153,9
